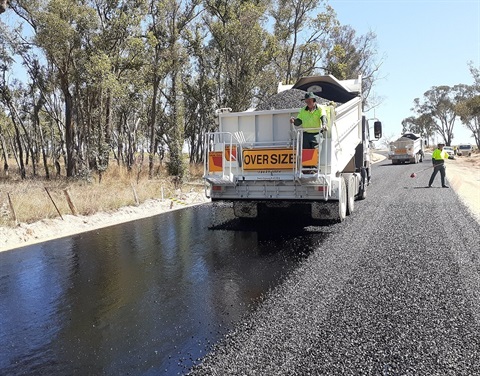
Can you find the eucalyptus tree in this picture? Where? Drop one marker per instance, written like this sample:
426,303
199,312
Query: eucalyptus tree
3,6
244,49
39,97
6,61
303,30
60,29
422,124
199,88
168,23
468,105
11,95
352,56
439,105
108,71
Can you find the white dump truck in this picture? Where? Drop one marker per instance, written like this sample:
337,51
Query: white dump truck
465,150
410,147
256,160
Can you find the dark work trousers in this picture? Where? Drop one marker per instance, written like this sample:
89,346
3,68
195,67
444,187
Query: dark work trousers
309,140
436,169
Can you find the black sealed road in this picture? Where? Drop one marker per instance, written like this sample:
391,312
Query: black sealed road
142,298
395,290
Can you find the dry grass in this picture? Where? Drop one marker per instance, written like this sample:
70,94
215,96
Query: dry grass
31,200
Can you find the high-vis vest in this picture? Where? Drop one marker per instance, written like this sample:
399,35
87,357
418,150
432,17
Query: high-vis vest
311,119
439,155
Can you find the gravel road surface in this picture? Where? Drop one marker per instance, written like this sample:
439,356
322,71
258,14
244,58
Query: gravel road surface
394,290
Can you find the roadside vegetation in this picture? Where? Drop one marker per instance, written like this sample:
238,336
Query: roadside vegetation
31,200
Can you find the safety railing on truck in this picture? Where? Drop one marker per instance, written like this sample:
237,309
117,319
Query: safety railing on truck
225,152
316,174
220,146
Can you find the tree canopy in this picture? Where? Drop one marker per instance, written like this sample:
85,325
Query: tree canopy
134,80
441,106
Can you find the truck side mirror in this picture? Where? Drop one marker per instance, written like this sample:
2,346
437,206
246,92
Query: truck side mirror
377,129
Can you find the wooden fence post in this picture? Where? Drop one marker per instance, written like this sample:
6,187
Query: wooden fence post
12,209
72,207
135,196
53,202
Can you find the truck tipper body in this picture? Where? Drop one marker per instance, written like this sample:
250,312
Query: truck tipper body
410,147
256,160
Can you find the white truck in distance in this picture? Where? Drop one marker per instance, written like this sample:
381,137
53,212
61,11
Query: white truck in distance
410,147
465,150
256,161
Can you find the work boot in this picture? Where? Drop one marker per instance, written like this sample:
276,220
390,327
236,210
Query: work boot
445,186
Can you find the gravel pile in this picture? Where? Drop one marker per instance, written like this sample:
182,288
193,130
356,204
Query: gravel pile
389,292
292,98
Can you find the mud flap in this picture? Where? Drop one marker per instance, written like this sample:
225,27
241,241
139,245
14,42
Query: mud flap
362,192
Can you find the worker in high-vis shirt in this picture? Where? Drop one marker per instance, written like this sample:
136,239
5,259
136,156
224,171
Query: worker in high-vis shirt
312,120
438,159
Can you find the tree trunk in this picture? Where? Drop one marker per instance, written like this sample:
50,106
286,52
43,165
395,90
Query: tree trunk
18,142
69,133
108,121
4,154
43,146
153,118
176,165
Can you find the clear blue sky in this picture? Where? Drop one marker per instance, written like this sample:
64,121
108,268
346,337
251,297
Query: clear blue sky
426,43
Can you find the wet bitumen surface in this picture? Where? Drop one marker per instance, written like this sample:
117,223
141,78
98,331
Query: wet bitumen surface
393,290
148,297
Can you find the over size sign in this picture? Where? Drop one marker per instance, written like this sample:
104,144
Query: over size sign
275,159
268,159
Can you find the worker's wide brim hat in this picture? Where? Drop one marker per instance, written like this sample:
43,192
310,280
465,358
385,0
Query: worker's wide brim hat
310,95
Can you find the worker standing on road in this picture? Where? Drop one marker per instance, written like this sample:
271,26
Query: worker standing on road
312,119
438,159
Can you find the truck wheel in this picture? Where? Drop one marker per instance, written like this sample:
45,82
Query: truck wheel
351,191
